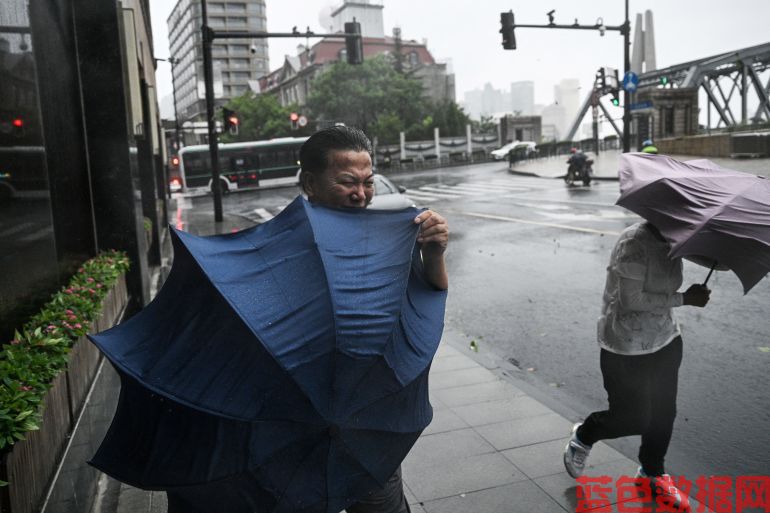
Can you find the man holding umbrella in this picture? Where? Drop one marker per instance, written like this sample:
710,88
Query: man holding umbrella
337,172
641,349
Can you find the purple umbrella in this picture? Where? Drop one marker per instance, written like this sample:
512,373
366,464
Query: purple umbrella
705,211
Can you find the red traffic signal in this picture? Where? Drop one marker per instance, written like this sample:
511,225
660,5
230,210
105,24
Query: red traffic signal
18,122
294,116
174,161
231,120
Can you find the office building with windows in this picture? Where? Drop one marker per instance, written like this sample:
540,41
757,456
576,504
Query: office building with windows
238,63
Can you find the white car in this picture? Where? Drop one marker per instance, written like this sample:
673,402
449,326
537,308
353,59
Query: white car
502,153
388,196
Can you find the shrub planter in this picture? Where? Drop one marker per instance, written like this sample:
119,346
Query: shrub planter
32,463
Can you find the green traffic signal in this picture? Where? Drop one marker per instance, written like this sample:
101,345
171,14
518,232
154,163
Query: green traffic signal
616,101
663,80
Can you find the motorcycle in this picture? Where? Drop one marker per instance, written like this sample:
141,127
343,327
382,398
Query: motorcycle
579,171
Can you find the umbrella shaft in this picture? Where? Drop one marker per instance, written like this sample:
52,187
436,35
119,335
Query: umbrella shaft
709,274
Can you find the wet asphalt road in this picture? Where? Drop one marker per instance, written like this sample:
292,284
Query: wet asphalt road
527,260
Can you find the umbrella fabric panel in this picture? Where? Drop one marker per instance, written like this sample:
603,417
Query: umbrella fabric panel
367,271
189,346
749,258
150,445
156,443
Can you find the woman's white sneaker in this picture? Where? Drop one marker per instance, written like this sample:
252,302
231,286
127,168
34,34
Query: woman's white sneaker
575,454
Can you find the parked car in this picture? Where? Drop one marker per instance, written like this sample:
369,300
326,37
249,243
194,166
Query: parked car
388,196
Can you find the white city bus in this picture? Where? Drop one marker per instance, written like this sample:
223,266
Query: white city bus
241,165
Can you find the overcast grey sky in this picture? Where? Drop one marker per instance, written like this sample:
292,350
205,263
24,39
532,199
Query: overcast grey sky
466,34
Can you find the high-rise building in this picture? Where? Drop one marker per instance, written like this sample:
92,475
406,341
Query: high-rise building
567,94
238,63
523,98
486,102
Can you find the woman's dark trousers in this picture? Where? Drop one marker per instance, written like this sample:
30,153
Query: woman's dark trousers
641,390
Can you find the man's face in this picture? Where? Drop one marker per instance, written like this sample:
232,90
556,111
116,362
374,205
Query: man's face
348,181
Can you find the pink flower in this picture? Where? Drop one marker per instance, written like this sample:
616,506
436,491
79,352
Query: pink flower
78,326
15,342
50,327
68,291
98,285
90,280
26,388
68,311
81,270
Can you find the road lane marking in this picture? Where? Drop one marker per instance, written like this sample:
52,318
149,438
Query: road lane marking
443,194
493,187
539,223
459,189
417,195
264,214
538,201
447,190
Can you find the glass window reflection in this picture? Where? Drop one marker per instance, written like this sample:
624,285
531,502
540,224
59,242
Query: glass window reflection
27,251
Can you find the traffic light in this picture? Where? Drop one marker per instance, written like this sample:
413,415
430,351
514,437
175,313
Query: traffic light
602,79
175,161
615,99
294,118
354,45
664,80
506,29
231,121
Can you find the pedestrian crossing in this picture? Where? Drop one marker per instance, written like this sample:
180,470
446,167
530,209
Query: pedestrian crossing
428,194
439,191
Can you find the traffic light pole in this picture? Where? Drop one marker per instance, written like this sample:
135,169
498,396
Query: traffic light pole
626,95
624,29
209,36
208,78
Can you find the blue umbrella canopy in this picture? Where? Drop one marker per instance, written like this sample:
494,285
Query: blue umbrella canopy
283,368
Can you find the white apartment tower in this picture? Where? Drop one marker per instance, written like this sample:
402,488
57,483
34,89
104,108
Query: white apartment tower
238,63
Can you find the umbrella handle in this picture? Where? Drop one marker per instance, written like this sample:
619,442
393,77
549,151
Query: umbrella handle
709,274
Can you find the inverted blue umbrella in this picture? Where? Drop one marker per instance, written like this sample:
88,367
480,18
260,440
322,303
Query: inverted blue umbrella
283,368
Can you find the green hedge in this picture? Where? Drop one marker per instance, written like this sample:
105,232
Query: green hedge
38,352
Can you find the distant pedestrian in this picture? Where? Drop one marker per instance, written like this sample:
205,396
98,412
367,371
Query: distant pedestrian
649,147
641,350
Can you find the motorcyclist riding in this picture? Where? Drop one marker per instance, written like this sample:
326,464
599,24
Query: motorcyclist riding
579,167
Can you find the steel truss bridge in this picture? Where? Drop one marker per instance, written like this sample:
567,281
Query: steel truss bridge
731,82
739,71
